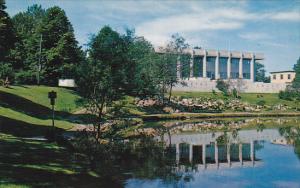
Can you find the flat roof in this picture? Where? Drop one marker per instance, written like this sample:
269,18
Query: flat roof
221,53
281,72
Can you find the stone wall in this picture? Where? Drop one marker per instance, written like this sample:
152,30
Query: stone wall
245,86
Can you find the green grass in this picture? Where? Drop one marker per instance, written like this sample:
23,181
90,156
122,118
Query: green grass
66,99
31,163
251,98
27,110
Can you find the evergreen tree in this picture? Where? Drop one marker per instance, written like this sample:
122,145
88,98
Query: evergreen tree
60,48
7,37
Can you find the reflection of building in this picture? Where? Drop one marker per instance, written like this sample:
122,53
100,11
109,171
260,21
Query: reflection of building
216,150
282,76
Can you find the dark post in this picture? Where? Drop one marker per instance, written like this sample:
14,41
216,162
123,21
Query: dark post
52,96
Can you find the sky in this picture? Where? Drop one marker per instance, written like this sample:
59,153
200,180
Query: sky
271,27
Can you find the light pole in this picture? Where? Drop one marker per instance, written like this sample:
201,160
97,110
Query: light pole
52,96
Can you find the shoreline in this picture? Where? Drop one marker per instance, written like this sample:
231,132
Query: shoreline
184,116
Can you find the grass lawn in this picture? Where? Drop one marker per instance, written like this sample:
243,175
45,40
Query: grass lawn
24,107
31,163
251,98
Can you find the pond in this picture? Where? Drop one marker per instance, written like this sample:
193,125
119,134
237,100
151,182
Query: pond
261,156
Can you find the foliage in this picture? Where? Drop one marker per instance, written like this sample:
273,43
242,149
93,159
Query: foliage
289,95
7,34
168,64
261,102
260,73
223,87
6,71
25,77
296,82
141,67
101,80
51,30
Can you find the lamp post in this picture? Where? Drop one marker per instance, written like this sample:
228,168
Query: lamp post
52,96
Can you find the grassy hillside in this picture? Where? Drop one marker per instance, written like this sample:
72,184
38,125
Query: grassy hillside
22,107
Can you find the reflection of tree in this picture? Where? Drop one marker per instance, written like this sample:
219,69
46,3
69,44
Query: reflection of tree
292,135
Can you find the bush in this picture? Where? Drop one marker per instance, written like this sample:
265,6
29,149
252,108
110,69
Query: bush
223,87
26,77
261,102
6,71
289,95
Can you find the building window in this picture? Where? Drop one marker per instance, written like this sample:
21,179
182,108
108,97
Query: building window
210,67
223,67
289,76
246,68
281,76
234,72
185,65
198,66
274,77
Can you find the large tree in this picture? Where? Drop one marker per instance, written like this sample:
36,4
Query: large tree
101,80
46,45
60,48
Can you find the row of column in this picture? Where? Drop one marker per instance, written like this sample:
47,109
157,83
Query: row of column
217,63
216,153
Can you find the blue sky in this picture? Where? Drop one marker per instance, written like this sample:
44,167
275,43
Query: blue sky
271,27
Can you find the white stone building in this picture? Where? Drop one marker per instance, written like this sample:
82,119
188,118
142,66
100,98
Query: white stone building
207,66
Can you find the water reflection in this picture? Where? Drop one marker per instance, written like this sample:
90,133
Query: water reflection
260,157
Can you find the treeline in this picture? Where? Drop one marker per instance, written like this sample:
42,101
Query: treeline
37,46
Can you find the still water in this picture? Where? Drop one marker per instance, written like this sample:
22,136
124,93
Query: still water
268,157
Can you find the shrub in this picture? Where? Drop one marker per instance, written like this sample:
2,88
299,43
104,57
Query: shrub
25,77
289,95
261,102
223,87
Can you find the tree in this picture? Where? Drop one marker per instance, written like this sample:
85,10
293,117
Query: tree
102,78
25,55
296,82
260,73
7,41
170,59
59,49
7,36
141,66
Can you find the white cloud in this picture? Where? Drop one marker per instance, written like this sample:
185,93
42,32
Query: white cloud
287,16
254,36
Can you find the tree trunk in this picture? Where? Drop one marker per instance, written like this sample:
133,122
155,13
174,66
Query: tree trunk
170,92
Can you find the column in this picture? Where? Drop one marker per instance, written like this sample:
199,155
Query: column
252,151
204,64
178,67
229,65
191,153
204,155
252,67
241,66
241,153
177,153
216,154
217,63
228,154
192,65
